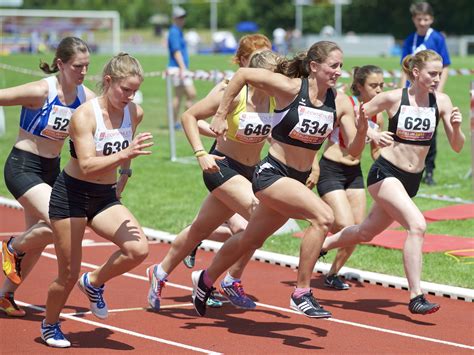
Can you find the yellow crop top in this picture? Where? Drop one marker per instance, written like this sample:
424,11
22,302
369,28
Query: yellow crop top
249,127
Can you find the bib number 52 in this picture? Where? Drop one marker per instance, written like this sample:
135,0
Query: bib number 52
60,124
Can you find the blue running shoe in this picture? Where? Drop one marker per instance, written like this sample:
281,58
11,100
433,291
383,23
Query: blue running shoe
236,295
53,336
156,286
95,295
213,301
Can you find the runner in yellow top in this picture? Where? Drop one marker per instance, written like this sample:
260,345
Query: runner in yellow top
227,173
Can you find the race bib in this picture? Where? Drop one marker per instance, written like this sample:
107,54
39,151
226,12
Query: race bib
416,123
58,123
254,127
112,141
313,125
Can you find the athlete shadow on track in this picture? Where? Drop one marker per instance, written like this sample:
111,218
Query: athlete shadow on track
374,305
284,330
370,305
94,339
235,321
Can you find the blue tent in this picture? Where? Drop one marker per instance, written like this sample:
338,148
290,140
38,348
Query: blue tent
247,26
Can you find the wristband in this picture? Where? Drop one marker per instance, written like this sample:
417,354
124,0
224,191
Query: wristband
200,153
127,172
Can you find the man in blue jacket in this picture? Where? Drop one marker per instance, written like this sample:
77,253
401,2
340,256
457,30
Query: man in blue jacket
178,64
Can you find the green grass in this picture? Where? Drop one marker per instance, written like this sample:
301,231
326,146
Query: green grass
166,196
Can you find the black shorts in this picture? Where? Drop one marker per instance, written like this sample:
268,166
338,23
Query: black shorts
23,170
382,169
229,168
337,176
77,198
271,169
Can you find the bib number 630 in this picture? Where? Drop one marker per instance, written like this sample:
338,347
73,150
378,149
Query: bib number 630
114,147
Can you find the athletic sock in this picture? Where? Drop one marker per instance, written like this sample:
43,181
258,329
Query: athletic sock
300,291
10,246
160,273
207,280
12,250
229,279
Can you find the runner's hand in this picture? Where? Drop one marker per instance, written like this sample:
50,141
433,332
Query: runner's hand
138,145
208,163
456,117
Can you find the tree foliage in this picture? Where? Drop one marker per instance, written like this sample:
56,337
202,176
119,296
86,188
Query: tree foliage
361,16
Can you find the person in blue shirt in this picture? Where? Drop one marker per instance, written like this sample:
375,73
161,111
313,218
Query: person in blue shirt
178,64
426,37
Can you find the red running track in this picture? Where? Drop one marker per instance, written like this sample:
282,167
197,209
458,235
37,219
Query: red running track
367,318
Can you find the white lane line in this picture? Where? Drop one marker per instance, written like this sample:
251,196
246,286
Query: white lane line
9,234
358,325
119,310
378,329
125,331
91,243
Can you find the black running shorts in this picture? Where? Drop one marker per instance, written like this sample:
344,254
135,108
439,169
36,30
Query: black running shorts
228,168
77,198
23,170
271,169
382,169
337,176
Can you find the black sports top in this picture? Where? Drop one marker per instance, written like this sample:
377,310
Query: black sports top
414,125
303,125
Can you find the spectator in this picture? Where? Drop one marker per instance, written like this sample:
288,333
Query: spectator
179,64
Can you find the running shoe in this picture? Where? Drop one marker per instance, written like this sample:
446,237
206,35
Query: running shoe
53,336
201,292
190,260
419,305
213,301
308,305
428,179
9,307
95,295
156,286
236,295
11,263
334,281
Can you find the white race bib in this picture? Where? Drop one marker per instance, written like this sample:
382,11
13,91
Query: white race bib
416,123
113,141
58,123
254,127
313,125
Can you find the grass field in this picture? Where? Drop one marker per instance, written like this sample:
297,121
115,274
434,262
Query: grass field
166,195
